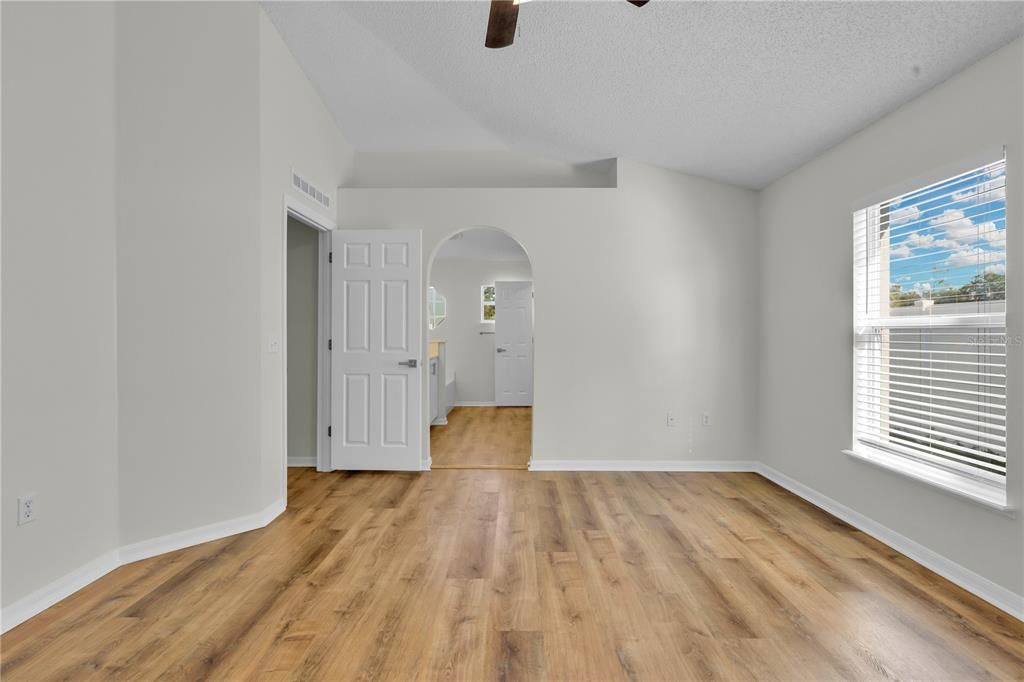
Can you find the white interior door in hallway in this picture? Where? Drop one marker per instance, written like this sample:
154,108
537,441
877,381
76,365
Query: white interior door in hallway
376,341
513,343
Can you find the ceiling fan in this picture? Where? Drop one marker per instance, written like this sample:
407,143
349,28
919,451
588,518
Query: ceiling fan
501,25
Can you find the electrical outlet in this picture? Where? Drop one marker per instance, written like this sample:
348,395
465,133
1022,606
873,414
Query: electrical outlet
26,509
670,420
705,419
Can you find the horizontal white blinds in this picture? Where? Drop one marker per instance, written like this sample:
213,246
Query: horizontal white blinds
930,353
940,392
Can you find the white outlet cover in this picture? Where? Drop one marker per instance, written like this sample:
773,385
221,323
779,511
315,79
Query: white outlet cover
27,511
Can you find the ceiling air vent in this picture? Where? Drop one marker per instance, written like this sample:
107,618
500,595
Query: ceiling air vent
300,183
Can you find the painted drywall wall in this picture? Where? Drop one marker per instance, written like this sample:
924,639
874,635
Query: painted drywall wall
806,313
59,306
295,132
303,282
469,353
188,258
475,169
169,400
211,138
645,304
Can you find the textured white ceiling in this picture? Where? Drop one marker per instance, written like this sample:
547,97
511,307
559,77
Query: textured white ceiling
742,92
482,244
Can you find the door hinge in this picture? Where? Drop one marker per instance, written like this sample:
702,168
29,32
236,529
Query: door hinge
328,431
330,344
330,256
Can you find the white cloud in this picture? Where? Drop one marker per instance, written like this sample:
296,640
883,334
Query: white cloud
904,215
991,232
993,189
919,240
901,251
957,226
997,269
973,256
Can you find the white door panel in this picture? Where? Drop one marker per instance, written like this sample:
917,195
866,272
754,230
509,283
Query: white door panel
513,343
376,410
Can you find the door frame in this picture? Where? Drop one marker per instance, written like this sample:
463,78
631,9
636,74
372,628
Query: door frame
302,211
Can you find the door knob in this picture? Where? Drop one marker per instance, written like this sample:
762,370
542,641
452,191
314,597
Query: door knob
409,363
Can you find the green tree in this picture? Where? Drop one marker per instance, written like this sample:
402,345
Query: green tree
988,286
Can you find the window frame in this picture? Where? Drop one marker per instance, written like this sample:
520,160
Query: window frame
433,298
484,303
987,488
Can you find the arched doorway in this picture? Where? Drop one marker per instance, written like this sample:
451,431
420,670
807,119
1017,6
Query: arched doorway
480,363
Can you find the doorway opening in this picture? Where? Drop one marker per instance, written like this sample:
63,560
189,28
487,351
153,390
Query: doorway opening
306,321
480,310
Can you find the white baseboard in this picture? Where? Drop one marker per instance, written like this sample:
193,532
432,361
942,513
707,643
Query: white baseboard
48,595
197,536
302,461
440,421
640,465
475,403
978,585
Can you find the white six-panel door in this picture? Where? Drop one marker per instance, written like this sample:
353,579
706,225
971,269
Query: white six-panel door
513,343
376,339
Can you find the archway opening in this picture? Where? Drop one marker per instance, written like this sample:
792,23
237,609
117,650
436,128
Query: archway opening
480,312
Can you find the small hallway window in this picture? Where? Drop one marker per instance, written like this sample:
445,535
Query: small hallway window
487,303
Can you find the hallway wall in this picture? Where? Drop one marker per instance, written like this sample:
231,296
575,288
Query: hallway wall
469,352
303,297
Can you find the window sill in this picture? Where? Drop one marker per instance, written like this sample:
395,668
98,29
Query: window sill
975,490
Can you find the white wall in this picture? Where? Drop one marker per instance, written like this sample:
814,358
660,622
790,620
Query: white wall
208,138
59,305
303,294
188,145
296,131
645,303
807,332
147,151
475,169
469,353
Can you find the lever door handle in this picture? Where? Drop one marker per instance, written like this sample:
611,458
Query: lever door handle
501,350
409,363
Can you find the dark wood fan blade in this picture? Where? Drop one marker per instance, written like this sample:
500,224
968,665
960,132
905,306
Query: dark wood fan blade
638,3
501,26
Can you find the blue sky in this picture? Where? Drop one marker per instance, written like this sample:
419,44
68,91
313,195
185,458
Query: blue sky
946,234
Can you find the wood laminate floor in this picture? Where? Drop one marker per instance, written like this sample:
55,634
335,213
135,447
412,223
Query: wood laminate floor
512,575
483,437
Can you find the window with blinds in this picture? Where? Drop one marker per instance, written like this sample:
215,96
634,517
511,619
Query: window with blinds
930,325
